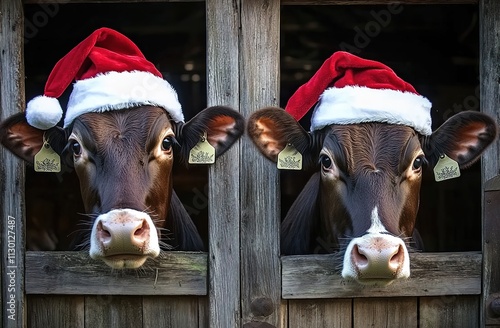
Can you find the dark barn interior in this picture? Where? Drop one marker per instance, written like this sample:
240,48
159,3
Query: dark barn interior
435,48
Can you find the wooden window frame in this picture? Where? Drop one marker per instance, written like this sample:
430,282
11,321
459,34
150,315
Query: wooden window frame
245,278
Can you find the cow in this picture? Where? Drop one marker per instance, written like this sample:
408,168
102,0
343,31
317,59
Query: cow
124,162
370,141
122,127
363,197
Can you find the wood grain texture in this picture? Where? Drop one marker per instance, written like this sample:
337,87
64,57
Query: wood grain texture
170,312
449,311
259,87
320,313
386,312
223,23
11,168
489,24
113,311
56,311
284,2
316,276
101,1
377,2
178,273
489,54
203,312
491,250
116,311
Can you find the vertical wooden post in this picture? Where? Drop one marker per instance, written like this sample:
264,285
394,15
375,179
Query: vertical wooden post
490,103
259,87
223,80
11,168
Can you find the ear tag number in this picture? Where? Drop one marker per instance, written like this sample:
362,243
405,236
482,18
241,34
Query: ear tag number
47,160
202,153
289,159
446,168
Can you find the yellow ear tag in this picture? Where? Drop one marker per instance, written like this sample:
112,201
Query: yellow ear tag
446,168
289,158
47,160
202,153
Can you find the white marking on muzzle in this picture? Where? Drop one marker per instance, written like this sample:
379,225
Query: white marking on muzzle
124,238
376,258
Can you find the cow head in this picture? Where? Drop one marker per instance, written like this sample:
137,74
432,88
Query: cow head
124,162
364,195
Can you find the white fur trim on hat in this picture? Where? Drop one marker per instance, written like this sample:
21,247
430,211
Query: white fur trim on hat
120,90
43,112
355,104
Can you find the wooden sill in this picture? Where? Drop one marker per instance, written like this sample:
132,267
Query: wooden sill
432,274
177,273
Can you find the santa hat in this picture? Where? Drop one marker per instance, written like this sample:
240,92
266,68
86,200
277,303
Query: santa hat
349,89
111,73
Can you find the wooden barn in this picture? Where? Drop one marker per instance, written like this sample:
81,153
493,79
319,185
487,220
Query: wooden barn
248,54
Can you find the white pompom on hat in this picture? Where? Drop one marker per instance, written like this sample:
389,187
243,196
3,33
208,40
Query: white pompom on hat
110,73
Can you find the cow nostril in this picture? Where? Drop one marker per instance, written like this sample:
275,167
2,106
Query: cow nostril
398,258
139,230
104,234
358,257
142,231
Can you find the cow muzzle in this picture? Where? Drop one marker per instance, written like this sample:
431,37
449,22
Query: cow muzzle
124,238
376,259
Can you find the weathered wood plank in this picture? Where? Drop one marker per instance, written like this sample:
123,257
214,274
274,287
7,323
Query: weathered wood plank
320,313
12,169
259,87
386,312
224,175
317,276
101,1
113,311
284,2
491,254
170,312
377,2
204,310
177,273
449,312
55,311
489,25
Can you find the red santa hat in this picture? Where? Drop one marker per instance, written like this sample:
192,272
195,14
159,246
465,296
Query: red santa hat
110,73
349,89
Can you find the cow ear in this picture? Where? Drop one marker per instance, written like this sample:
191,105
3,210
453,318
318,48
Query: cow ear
271,129
223,125
463,138
25,141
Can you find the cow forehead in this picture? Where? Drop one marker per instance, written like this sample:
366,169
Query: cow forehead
371,146
138,128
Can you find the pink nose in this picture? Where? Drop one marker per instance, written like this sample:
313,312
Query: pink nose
124,235
378,259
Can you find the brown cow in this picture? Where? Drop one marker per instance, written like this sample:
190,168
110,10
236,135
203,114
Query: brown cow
363,199
122,127
124,162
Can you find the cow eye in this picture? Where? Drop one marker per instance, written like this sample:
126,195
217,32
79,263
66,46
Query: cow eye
166,144
76,148
418,163
325,161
